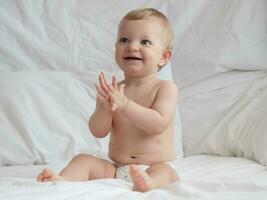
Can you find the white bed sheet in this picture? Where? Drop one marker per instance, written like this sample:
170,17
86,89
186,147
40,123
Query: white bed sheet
203,177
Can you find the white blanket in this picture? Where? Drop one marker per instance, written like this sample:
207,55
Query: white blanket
203,177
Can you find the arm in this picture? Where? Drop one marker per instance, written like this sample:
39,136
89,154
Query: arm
101,120
154,120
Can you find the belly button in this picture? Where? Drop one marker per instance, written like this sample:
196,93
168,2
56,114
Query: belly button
133,157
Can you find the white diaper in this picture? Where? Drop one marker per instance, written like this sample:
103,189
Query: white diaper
123,172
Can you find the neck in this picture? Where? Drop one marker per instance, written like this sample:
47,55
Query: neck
129,80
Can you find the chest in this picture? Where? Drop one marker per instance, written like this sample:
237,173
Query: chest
144,96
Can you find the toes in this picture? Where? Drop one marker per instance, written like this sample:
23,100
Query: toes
141,180
133,169
47,173
39,178
140,177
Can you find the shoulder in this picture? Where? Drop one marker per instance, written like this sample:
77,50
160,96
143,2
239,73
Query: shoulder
167,88
167,85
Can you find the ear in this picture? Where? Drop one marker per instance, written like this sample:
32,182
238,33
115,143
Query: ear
166,56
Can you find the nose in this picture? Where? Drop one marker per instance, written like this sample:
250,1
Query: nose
132,46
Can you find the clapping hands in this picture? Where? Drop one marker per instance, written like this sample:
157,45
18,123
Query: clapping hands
111,95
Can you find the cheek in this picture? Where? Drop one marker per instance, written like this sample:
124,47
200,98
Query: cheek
154,56
118,49
118,55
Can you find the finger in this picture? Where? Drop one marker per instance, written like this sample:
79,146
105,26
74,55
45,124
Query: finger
114,82
101,98
103,82
111,88
101,91
104,79
111,97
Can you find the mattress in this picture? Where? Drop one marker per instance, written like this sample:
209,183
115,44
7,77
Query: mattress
203,177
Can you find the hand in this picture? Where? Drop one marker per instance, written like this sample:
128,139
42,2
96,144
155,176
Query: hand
116,95
111,95
103,92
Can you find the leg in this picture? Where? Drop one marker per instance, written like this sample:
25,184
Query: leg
155,176
81,168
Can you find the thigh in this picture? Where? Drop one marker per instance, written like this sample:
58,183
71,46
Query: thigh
88,167
102,169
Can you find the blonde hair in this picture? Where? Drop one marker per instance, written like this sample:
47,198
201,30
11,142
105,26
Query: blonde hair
152,13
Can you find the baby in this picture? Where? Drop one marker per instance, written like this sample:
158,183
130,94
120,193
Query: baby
138,111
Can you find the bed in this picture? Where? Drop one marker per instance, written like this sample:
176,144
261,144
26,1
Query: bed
50,55
204,177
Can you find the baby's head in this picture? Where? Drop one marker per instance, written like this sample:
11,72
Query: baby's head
152,31
151,13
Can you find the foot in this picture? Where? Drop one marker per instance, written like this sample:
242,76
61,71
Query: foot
141,180
48,175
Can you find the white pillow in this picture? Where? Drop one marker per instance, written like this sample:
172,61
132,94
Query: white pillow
247,131
241,130
43,118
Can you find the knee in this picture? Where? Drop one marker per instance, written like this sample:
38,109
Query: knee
83,157
173,173
168,171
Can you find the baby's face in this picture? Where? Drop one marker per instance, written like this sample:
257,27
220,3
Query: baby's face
140,47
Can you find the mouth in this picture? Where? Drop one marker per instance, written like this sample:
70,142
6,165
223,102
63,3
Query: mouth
132,58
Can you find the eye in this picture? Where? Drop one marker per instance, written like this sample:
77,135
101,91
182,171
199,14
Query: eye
123,40
146,42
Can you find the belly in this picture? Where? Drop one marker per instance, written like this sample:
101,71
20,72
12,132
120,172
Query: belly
125,157
128,145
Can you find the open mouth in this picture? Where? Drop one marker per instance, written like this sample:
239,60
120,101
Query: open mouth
132,58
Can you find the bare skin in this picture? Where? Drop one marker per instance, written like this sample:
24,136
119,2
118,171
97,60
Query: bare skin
138,113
